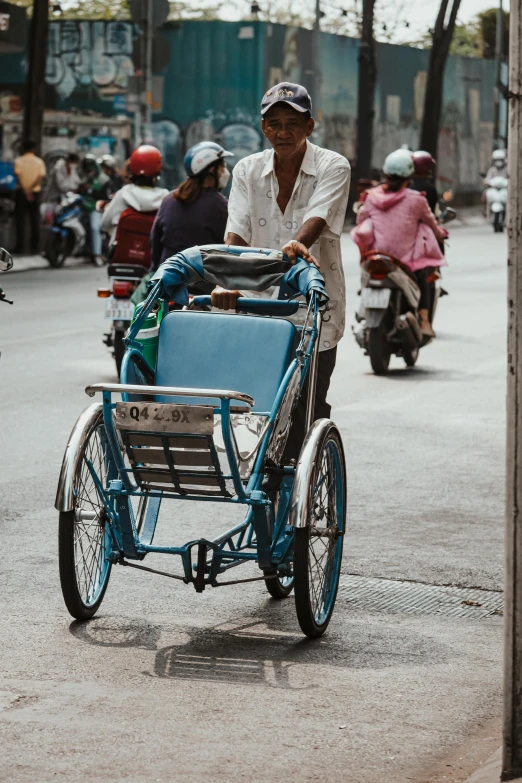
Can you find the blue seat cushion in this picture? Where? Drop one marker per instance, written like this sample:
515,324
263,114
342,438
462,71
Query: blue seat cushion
241,353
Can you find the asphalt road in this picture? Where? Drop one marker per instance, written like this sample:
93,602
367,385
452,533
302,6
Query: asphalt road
169,685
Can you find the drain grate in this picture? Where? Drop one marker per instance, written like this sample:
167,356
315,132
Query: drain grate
386,595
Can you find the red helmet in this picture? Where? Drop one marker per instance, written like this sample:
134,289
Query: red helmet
423,163
146,160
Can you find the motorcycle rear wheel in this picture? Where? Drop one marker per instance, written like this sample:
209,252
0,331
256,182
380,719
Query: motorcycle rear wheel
498,223
410,357
379,350
57,253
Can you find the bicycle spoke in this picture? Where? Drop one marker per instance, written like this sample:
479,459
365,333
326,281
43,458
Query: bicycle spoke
90,544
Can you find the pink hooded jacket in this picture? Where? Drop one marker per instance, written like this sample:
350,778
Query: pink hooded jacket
402,225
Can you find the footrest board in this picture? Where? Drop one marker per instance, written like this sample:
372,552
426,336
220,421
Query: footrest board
186,464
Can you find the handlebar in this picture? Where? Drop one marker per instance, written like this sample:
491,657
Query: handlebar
259,306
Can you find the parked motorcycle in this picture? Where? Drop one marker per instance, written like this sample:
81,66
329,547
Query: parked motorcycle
496,200
69,235
388,317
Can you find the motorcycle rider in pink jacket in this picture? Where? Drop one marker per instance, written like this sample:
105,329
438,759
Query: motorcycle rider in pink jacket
398,221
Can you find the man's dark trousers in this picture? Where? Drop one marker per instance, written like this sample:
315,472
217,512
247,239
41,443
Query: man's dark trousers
325,368
25,207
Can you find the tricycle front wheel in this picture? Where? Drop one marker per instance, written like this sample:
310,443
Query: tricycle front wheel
320,525
83,533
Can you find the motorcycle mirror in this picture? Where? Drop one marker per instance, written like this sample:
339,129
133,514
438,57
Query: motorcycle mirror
6,260
447,196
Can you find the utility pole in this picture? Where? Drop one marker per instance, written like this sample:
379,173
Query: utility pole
499,40
316,35
512,730
35,85
149,31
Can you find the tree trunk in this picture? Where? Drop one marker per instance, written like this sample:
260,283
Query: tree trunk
442,35
366,92
35,86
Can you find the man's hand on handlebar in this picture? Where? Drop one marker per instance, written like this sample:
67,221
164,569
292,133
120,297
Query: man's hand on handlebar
294,248
225,300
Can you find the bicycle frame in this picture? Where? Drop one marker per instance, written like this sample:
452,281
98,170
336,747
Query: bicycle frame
265,535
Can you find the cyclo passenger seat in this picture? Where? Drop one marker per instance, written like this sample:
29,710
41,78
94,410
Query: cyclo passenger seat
243,353
131,243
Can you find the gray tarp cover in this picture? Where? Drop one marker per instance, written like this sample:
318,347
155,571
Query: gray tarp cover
237,269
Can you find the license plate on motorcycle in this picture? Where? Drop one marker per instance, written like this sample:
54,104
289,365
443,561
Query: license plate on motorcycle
119,309
375,298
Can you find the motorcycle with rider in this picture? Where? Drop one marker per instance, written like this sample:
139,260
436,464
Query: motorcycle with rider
195,213
496,191
399,239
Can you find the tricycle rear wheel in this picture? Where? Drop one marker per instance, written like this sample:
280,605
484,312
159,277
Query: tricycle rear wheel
279,587
83,532
318,544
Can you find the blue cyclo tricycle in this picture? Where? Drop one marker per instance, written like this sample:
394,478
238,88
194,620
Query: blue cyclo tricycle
210,422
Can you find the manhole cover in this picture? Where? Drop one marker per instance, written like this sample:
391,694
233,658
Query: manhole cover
385,595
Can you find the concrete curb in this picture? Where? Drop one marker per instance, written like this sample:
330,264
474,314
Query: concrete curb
489,772
33,263
28,263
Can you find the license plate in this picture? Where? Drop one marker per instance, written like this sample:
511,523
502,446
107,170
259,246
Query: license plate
119,309
165,417
375,298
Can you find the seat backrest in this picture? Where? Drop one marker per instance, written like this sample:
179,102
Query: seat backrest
241,353
131,242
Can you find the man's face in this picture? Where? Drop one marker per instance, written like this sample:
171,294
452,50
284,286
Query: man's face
286,129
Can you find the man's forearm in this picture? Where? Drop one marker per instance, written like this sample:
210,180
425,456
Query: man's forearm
235,239
310,231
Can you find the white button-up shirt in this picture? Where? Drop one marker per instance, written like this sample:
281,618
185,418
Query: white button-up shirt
321,190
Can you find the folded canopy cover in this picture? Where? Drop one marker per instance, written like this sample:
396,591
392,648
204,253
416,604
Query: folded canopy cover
237,268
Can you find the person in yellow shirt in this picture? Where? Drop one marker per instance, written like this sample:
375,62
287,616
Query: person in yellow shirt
30,172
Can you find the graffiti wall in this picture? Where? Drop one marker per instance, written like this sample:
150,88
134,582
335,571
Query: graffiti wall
89,54
217,72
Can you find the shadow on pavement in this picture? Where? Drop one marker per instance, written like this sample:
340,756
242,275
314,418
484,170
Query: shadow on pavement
412,373
263,653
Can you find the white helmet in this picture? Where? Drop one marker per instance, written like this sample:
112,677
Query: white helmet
202,155
108,160
399,164
499,155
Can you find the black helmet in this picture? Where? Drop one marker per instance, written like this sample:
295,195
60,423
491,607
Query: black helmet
89,162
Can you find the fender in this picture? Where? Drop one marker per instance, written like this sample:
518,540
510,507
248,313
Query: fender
301,496
59,231
77,438
374,317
